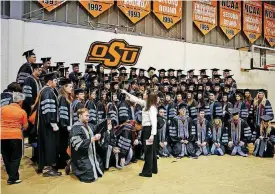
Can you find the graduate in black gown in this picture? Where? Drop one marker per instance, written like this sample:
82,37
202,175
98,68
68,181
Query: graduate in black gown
32,86
47,128
65,119
204,133
264,145
182,134
239,134
7,94
78,102
91,106
84,162
162,134
26,69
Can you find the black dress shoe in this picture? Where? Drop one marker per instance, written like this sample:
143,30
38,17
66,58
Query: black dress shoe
67,169
155,172
51,173
145,175
39,171
14,182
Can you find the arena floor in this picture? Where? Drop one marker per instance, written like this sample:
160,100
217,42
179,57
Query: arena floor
206,175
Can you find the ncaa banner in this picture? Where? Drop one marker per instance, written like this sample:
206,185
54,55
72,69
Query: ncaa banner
252,19
269,24
96,7
168,12
205,15
230,17
51,5
135,10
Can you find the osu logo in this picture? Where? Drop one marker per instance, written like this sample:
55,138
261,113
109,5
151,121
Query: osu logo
114,53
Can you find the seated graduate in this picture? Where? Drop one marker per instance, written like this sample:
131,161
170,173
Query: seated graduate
204,130
239,134
264,145
84,162
182,134
219,138
162,134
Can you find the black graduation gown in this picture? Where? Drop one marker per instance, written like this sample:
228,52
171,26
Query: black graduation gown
65,121
243,110
219,136
124,112
76,105
84,161
43,72
24,71
113,111
91,106
47,113
6,98
171,110
175,146
245,136
207,112
101,111
265,148
73,77
227,108
162,136
216,108
192,109
31,88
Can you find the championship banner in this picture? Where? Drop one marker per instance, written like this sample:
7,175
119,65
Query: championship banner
269,24
252,19
205,15
135,10
168,12
51,5
114,53
230,17
96,7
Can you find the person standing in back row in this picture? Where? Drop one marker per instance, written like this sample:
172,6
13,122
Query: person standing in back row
149,131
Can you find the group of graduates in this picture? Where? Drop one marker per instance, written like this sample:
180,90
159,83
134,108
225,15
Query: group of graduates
198,115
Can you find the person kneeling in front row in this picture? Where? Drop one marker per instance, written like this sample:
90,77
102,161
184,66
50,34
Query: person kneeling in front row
84,162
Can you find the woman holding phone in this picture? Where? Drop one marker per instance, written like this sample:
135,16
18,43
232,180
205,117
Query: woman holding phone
149,130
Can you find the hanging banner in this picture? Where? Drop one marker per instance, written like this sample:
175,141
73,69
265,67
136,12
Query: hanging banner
205,15
252,19
96,7
269,24
230,17
169,12
135,10
51,5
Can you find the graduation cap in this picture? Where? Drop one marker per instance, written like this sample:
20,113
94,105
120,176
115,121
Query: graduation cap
155,76
64,81
190,91
113,83
88,66
202,70
49,76
59,64
133,68
195,76
261,91
45,59
179,70
191,70
124,74
235,111
168,93
162,70
36,65
78,91
229,76
171,70
174,85
215,69
173,77
246,90
209,84
28,53
225,94
200,91
63,70
217,76
212,92
182,105
166,84
75,65
266,118
205,76
79,74
151,68
239,93
183,76
201,109
183,83
217,84
226,70
141,70
114,74
52,68
161,108
122,68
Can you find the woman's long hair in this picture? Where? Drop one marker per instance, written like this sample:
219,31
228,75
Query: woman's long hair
256,100
262,128
69,97
218,125
151,99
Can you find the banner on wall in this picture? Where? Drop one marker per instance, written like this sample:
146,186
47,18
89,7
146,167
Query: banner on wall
51,5
168,12
252,19
96,7
269,24
205,15
230,17
114,53
135,10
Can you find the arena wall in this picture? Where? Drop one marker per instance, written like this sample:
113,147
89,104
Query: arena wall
71,44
